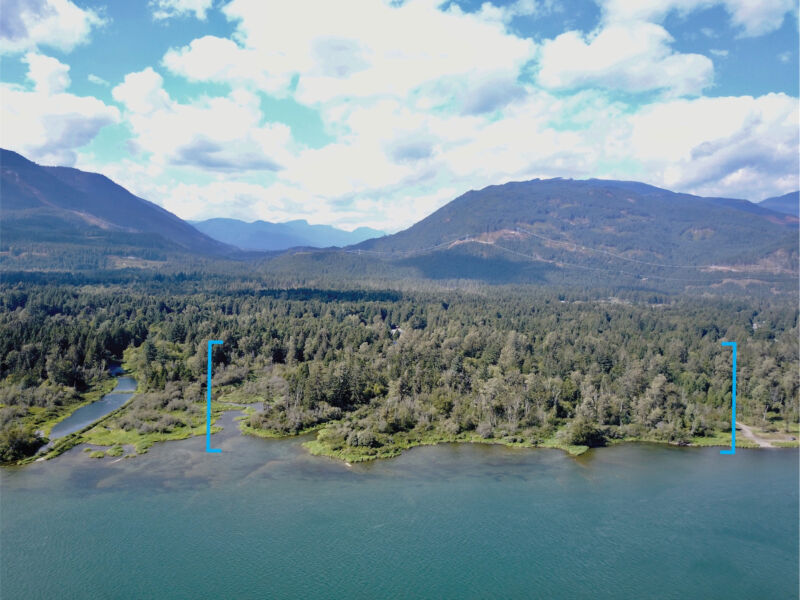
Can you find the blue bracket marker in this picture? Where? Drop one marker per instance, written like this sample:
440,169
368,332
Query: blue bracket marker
208,400
733,398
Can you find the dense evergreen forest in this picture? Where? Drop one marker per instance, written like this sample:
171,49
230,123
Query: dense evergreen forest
378,370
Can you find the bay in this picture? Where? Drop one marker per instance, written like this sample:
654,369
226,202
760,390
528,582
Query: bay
264,519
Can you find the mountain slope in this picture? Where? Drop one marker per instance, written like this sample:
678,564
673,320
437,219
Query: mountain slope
595,230
263,235
788,203
60,205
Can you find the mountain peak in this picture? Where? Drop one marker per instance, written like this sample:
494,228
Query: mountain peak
527,230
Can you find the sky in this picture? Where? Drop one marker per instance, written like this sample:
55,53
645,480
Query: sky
376,113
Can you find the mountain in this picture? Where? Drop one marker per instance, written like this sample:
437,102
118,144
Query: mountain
69,211
263,235
788,203
587,232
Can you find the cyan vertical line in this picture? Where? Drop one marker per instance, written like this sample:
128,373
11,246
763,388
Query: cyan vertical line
733,401
208,400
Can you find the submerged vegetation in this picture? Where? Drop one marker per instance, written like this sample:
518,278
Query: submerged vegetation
374,372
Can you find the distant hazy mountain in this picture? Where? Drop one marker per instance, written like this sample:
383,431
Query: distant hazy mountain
788,203
60,205
263,235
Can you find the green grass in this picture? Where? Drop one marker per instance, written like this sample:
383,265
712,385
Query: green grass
723,439
115,451
718,439
97,454
238,396
104,433
102,436
406,440
787,444
271,434
570,449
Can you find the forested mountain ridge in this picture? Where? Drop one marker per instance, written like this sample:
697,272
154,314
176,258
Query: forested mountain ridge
634,220
264,235
588,233
55,210
579,230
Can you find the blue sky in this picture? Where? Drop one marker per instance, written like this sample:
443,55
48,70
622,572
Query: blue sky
376,113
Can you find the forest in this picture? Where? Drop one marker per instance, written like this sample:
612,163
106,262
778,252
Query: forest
373,371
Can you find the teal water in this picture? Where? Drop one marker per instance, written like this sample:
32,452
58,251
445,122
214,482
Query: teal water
263,519
86,415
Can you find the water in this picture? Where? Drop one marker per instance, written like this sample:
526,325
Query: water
263,519
86,415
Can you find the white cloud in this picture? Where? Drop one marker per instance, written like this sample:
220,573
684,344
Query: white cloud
92,78
751,17
216,59
520,8
48,74
634,57
47,124
142,92
397,164
419,116
718,52
27,24
743,147
217,133
334,55
167,9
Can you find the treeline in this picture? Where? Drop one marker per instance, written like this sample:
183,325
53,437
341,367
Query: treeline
384,365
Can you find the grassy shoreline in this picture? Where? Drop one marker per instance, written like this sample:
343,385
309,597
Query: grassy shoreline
101,437
108,442
319,447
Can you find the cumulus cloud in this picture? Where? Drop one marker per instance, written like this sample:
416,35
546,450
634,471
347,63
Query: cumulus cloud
634,57
752,18
418,116
48,74
142,92
168,9
46,123
743,147
28,24
327,46
399,164
214,133
217,59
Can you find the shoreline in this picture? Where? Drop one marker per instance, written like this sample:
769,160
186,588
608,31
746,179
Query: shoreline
317,448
